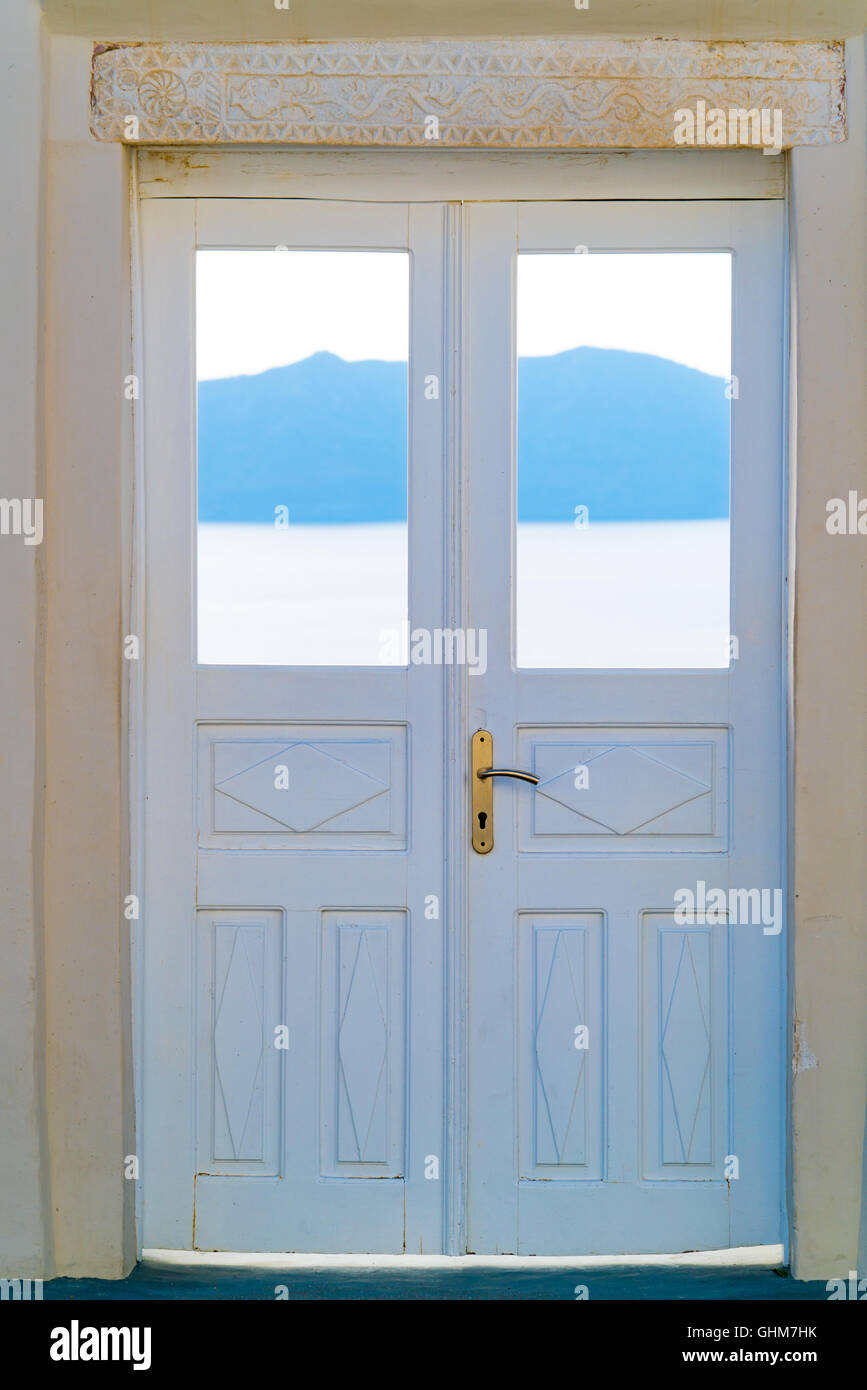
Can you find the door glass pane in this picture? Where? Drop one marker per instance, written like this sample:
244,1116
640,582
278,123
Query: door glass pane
302,456
623,521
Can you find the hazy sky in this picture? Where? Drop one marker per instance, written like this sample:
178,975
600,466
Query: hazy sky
261,309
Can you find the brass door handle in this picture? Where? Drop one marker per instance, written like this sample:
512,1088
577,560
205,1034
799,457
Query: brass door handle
482,797
509,772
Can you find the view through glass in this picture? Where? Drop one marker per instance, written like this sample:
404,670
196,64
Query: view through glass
302,456
624,399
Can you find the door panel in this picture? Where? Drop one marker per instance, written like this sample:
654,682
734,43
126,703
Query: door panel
293,1041
663,1131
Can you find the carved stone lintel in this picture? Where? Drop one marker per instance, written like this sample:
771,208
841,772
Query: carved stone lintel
499,93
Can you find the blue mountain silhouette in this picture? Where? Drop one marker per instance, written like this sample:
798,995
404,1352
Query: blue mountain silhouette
630,436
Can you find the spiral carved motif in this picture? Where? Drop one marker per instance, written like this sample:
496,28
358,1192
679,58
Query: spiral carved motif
162,93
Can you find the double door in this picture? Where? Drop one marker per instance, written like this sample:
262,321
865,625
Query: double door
419,476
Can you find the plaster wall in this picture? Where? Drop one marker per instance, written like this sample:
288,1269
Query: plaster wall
87,433
24,1227
347,19
829,1086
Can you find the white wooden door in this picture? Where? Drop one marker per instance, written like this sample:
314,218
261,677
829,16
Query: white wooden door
292,1079
358,1034
625,1074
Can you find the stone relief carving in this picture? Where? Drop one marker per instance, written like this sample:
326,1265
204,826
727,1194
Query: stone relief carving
499,94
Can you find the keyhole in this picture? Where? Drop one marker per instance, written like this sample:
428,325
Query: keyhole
483,816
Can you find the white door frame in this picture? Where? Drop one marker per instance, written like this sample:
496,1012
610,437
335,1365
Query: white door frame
402,177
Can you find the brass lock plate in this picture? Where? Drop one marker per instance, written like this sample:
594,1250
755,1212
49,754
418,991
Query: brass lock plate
482,792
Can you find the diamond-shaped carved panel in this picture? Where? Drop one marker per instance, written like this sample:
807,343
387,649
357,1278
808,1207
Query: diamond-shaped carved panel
239,991
302,786
560,1009
625,790
685,1047
238,1025
305,786
561,1034
363,1044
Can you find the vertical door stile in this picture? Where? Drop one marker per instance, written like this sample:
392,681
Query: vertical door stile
456,725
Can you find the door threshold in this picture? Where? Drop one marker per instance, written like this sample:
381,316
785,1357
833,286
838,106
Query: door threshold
737,1257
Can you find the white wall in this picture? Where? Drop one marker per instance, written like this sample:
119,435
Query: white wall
347,19
829,1087
26,1249
86,356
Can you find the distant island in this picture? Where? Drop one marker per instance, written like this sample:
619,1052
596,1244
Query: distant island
630,436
